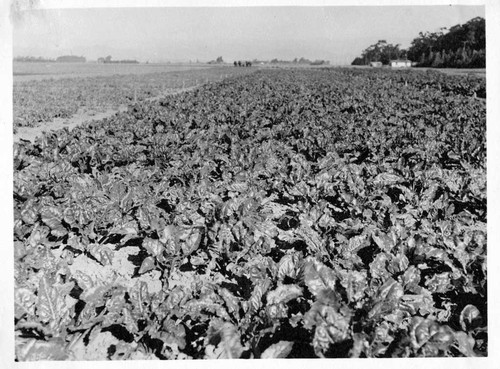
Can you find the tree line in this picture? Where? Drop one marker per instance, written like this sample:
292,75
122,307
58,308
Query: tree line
380,52
302,60
33,59
107,60
461,46
60,59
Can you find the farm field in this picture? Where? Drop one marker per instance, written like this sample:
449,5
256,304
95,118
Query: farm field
37,71
38,102
467,72
460,72
280,213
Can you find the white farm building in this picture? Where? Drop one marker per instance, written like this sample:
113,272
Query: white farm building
400,63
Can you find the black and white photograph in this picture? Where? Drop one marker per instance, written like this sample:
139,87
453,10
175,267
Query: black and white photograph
249,180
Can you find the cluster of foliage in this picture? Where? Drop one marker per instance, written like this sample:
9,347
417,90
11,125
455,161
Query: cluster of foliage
219,60
32,59
107,60
380,52
71,59
301,61
41,101
285,213
462,46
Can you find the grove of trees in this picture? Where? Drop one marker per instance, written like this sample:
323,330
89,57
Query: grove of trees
219,60
301,60
380,52
461,46
33,59
71,59
107,60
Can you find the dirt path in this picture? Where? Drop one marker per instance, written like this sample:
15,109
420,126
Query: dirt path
31,133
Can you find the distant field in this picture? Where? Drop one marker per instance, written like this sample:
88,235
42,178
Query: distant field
39,100
45,93
35,71
477,72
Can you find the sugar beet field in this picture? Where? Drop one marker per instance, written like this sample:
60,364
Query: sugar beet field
282,213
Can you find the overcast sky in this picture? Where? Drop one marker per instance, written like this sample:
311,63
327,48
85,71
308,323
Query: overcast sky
333,33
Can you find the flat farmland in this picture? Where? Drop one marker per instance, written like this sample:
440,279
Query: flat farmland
37,71
56,98
281,213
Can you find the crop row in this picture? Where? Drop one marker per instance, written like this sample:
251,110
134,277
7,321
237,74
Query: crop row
297,213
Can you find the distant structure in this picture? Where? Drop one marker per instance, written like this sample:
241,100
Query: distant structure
400,63
376,64
71,59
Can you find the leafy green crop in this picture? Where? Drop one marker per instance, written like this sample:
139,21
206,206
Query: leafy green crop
287,213
39,101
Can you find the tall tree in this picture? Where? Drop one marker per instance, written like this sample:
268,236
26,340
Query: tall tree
456,46
379,52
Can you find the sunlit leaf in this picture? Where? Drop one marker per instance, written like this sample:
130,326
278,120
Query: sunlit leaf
225,337
465,344
24,301
54,305
470,318
31,349
147,265
290,265
283,294
231,301
277,350
102,253
318,277
387,179
153,247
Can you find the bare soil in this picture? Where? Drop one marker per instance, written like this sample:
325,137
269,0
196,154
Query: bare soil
83,116
31,133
